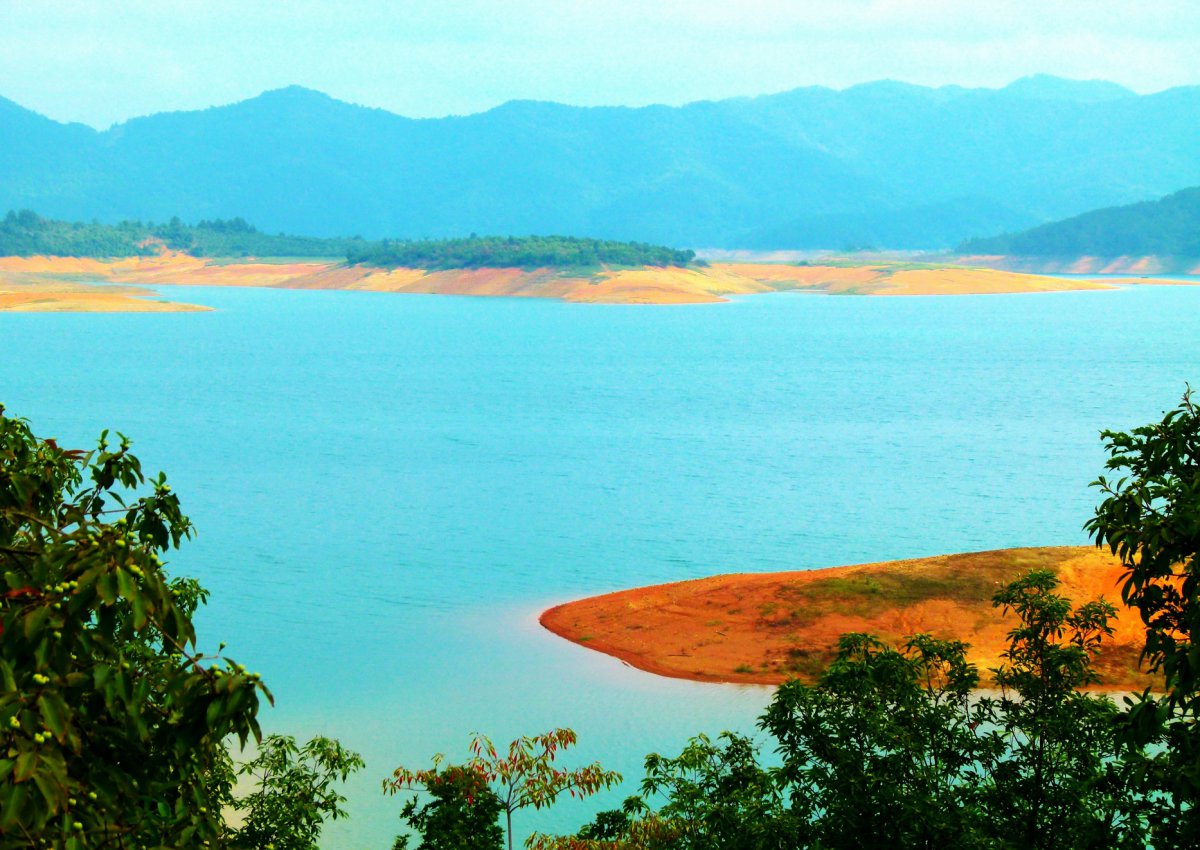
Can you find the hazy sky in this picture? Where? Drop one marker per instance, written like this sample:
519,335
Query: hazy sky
101,61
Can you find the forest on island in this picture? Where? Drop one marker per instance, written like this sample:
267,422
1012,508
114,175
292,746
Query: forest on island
25,234
527,252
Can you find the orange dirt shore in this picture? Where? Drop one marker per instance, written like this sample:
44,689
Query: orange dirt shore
705,284
31,293
766,628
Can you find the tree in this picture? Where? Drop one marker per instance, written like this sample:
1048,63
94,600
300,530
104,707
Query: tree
462,814
293,793
883,750
525,777
112,722
1058,780
1150,518
718,795
635,826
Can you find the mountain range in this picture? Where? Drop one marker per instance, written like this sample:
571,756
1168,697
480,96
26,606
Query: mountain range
886,164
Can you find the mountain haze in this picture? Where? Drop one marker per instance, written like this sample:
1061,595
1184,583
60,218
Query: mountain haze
883,164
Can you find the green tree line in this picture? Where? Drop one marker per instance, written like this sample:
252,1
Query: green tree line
525,252
25,234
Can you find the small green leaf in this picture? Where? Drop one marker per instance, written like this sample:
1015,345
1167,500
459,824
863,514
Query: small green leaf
35,620
53,713
26,762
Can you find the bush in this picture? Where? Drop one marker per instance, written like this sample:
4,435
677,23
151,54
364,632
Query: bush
293,793
112,723
462,814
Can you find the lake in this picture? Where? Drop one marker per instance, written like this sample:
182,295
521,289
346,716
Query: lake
388,489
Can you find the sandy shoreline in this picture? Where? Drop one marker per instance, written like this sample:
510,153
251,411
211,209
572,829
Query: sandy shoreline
765,628
21,293
62,283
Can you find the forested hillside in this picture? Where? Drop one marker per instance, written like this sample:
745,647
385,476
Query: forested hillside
1169,227
26,234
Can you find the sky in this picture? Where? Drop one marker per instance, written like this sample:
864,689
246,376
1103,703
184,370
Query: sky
102,61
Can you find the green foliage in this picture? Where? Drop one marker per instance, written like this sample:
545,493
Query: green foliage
236,238
524,777
25,234
717,793
1059,780
293,793
884,749
1150,518
111,722
1169,227
462,813
525,252
608,825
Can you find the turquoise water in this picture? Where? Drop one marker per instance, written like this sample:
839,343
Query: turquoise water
389,488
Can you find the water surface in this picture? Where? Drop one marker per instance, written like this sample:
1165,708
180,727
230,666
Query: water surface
389,488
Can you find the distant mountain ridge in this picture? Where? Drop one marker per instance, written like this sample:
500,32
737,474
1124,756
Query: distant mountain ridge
1168,227
886,164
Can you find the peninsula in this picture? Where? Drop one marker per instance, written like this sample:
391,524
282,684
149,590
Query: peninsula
765,628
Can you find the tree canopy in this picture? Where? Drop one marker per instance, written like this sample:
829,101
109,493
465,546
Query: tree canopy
524,777
526,252
114,726
1150,517
112,722
24,233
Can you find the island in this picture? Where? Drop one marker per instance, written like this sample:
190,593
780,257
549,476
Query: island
56,283
55,265
766,628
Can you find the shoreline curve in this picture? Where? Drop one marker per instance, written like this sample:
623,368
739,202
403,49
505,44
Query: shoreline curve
766,628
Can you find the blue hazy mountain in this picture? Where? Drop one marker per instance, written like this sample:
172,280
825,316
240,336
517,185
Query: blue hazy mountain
886,164
1047,87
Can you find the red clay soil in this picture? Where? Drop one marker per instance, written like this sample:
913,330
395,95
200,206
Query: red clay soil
769,627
